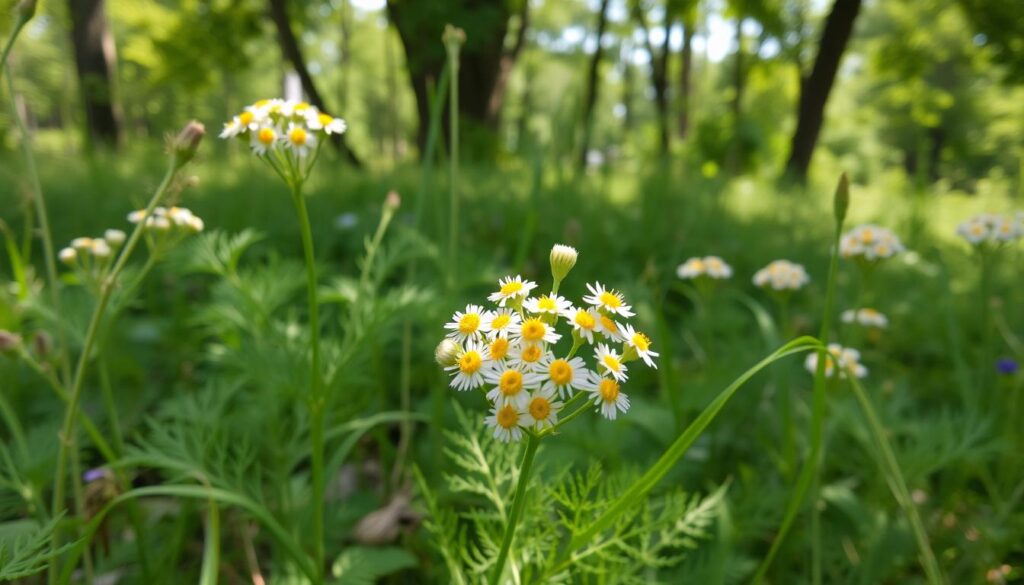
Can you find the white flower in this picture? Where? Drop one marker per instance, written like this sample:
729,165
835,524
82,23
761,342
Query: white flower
82,244
265,139
867,317
498,349
325,122
562,259
710,266
511,288
68,256
447,353
508,423
639,343
468,369
782,275
717,268
526,357
196,224
232,128
511,385
610,362
990,227
499,323
609,328
690,269
136,216
870,242
179,216
534,330
469,324
114,237
584,321
300,140
543,409
550,304
564,375
100,249
846,358
608,395
607,299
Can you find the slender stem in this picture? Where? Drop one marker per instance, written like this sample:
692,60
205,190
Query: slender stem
74,396
986,365
13,424
18,25
453,160
517,507
317,400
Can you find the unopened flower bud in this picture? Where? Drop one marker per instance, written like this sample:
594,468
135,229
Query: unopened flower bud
136,216
68,256
447,353
393,201
563,258
114,237
186,143
100,249
453,37
81,243
842,199
196,224
9,341
25,10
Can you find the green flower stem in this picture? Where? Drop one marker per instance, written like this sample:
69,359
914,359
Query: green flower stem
317,400
786,393
19,24
13,425
517,507
453,160
987,352
67,438
898,484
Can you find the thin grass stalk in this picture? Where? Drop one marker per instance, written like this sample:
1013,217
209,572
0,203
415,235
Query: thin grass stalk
517,507
453,43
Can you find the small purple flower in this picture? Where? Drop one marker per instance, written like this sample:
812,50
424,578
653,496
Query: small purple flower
1006,366
94,474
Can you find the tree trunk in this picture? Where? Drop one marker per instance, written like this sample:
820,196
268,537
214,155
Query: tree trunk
815,91
593,83
96,62
686,79
733,159
659,74
293,53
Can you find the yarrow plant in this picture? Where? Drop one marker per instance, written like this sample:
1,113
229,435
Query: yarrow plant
509,352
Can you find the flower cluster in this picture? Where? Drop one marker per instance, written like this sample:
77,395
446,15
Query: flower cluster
782,275
509,351
168,220
866,317
708,266
282,125
991,228
92,253
870,242
846,358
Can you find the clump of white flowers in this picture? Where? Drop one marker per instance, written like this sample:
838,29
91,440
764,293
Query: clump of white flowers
165,227
782,275
870,243
275,126
90,258
991,228
711,267
509,352
839,361
865,317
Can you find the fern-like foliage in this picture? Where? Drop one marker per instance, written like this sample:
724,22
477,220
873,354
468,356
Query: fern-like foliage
27,551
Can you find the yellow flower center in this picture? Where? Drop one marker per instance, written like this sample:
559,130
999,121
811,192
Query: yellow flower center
611,362
261,103
501,321
560,372
499,348
867,236
585,320
266,136
546,303
540,408
868,312
507,417
714,264
977,230
697,265
882,250
469,323
325,119
301,107
298,136
641,342
531,353
609,325
470,362
609,390
512,287
610,299
511,382
534,330
245,118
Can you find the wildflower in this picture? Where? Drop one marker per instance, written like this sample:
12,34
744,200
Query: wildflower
468,368
468,324
543,409
781,275
114,238
264,140
709,266
499,323
608,395
1006,366
607,300
866,317
100,249
564,374
82,244
638,345
551,304
68,256
609,328
186,143
717,268
690,269
327,123
991,228
870,243
497,349
300,139
534,330
512,288
611,362
527,357
511,385
447,353
508,423
847,359
585,322
562,258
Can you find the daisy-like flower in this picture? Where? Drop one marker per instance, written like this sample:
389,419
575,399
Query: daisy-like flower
610,362
639,344
468,370
847,359
508,422
511,288
534,330
68,256
499,323
782,275
114,237
990,227
82,244
100,249
709,266
136,216
608,300
866,317
691,269
870,242
543,408
264,139
585,322
717,268
300,140
549,304
609,328
609,397
469,324
511,385
564,375
327,123
527,357
498,349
